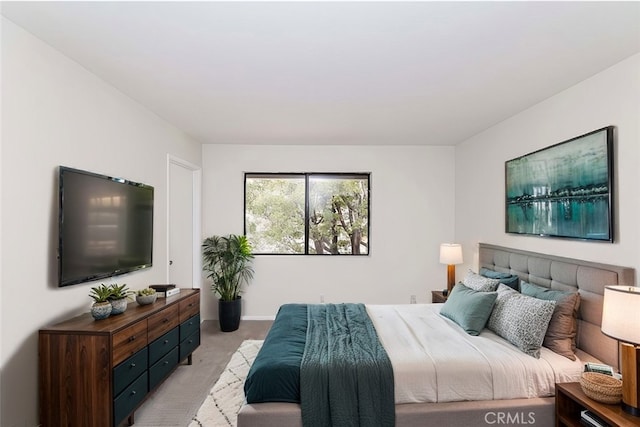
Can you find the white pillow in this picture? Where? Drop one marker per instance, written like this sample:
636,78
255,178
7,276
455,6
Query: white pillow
520,319
480,283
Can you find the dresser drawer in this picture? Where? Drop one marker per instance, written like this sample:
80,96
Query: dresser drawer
163,367
162,345
129,370
127,401
163,322
189,307
189,344
188,327
128,341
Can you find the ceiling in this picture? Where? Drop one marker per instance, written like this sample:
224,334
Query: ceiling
418,73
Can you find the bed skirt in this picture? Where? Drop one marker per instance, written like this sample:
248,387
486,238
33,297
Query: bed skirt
514,412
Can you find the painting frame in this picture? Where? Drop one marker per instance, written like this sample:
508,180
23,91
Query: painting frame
564,190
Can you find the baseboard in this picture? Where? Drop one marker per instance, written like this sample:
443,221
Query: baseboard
258,317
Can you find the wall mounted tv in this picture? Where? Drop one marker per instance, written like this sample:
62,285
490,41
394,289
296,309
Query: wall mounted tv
105,226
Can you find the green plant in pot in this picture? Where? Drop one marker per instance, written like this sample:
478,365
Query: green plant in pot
227,261
146,296
119,297
101,308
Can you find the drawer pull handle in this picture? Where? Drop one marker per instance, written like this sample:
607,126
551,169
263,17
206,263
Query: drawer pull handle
190,323
133,365
191,305
190,341
165,320
166,341
166,362
133,392
132,338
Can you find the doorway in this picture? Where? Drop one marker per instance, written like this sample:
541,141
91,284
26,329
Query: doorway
183,223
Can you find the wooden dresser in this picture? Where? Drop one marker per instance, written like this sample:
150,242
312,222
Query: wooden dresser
97,372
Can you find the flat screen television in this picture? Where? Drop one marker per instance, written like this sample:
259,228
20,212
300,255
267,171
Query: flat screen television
105,226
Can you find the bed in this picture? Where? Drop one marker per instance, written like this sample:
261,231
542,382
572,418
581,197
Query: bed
547,271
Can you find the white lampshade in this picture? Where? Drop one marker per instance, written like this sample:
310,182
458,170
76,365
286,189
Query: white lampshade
621,313
450,253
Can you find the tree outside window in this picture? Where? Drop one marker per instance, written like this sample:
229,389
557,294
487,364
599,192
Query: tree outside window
310,213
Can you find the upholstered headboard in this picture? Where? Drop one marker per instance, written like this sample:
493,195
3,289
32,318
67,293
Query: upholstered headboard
560,273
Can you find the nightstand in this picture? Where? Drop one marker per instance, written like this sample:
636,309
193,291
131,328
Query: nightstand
570,400
438,296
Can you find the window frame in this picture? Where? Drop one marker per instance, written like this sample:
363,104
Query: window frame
306,176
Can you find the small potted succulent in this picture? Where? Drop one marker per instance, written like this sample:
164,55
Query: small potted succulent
146,296
118,298
101,308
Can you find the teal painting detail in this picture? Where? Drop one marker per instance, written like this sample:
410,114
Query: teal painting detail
564,190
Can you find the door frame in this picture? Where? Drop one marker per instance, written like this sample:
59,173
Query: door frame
196,175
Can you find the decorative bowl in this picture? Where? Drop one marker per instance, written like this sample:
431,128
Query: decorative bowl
601,388
146,299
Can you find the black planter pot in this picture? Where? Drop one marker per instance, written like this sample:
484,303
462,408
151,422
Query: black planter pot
229,314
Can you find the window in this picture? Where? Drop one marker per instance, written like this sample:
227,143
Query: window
307,213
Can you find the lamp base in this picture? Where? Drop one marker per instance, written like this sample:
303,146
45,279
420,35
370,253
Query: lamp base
631,410
630,357
451,277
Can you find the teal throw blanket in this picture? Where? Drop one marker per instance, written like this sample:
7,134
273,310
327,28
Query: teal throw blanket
346,378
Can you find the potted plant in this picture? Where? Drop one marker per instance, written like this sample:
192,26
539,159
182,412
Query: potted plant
146,296
118,298
101,308
227,261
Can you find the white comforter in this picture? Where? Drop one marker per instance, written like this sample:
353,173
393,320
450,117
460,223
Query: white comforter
434,360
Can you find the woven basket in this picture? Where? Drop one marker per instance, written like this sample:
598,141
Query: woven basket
601,388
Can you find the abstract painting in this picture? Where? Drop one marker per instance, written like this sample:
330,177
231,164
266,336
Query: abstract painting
564,190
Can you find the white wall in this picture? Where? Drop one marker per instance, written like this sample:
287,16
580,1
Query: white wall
1,258
612,97
411,214
54,112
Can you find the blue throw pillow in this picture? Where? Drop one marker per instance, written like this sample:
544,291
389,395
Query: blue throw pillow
470,309
511,280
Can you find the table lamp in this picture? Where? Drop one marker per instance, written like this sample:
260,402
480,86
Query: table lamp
450,254
621,320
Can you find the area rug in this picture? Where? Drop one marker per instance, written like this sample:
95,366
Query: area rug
221,407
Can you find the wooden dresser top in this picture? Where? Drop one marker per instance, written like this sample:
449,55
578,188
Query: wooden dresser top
85,323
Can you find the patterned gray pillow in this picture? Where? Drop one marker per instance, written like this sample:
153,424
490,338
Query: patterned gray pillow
480,283
520,319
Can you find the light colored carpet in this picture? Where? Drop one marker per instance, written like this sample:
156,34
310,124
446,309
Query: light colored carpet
176,401
221,406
